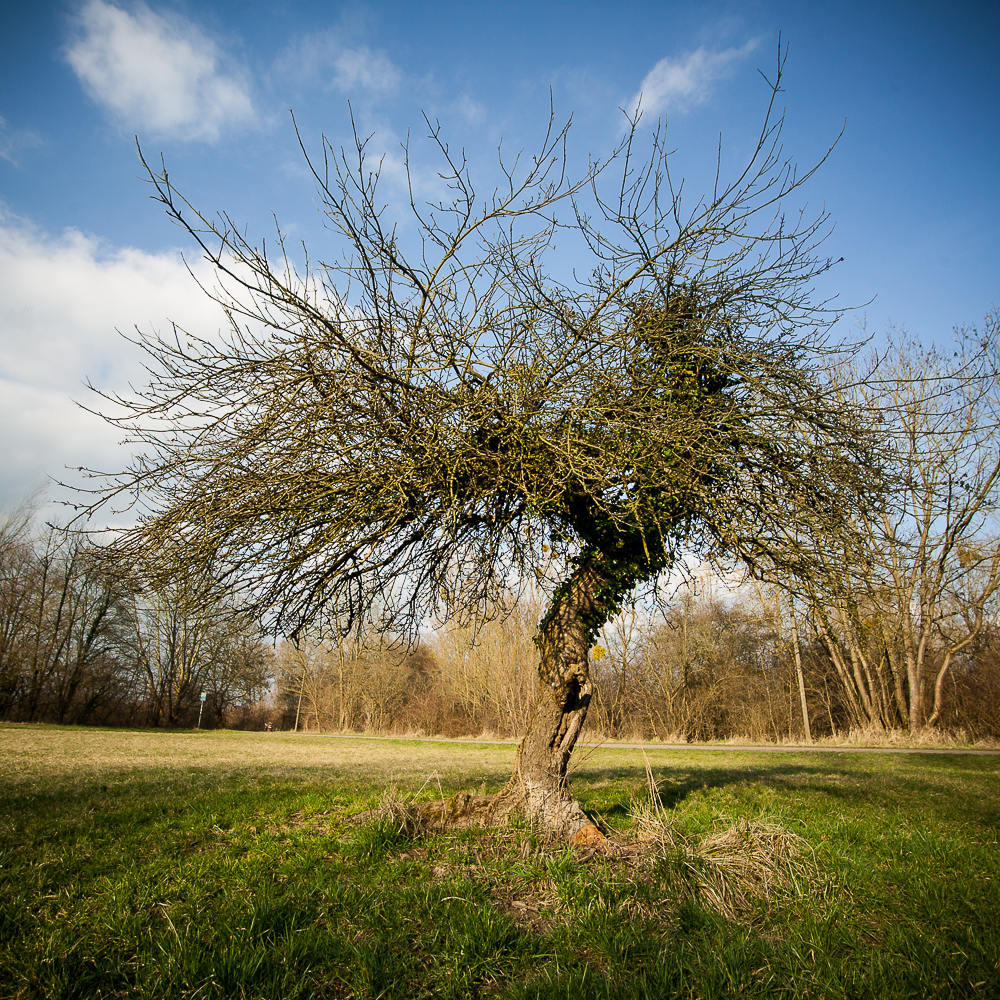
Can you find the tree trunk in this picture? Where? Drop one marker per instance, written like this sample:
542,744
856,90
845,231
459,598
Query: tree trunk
800,679
538,786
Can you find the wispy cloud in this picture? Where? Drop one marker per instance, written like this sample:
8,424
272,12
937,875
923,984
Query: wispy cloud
157,75
63,298
472,111
13,141
681,82
324,58
364,68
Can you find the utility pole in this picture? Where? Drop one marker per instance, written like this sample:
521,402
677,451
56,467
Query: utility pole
799,676
298,708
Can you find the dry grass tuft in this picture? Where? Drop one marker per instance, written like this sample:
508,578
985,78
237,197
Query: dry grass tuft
732,867
413,819
406,817
923,739
874,737
751,860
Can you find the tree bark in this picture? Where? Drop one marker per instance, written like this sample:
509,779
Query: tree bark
800,678
538,787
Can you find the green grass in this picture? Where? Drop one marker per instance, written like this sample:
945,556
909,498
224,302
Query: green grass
247,882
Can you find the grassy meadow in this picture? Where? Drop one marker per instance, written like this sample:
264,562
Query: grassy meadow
224,864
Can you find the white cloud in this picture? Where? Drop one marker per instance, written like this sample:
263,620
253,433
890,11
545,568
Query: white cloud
12,141
323,57
472,111
62,300
362,68
682,82
156,75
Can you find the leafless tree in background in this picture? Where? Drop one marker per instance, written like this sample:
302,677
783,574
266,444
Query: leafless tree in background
917,583
80,641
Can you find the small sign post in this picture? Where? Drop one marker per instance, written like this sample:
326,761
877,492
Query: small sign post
201,707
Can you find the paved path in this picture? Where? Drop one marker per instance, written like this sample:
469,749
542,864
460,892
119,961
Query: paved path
718,748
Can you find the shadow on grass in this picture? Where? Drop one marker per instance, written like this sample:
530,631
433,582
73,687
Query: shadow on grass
925,784
676,783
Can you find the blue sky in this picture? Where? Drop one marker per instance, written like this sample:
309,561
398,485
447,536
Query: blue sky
911,187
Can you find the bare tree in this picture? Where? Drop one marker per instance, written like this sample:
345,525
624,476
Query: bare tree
411,430
348,683
679,672
490,674
63,624
918,581
240,678
188,637
620,638
17,599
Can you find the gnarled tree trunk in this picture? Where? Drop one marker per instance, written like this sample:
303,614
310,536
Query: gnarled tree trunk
538,786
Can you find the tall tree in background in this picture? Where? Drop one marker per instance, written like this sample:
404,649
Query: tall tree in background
64,623
410,430
188,637
917,581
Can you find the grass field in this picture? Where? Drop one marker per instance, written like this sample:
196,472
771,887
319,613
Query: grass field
137,864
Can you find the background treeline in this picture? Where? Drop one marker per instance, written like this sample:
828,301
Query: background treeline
716,665
893,627
83,641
